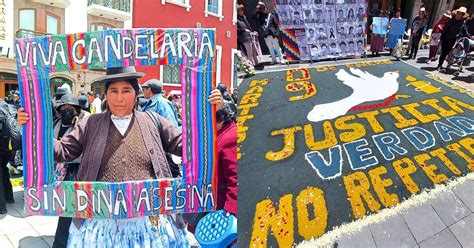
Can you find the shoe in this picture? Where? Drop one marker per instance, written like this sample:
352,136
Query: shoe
4,211
439,68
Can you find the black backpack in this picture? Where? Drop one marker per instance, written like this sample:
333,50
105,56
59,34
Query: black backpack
8,126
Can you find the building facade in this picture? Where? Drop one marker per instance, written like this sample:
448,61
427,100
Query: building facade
26,18
218,14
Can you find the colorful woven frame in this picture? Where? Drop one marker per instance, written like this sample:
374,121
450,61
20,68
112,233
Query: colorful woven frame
192,49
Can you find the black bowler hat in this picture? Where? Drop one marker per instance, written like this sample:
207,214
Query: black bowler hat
120,73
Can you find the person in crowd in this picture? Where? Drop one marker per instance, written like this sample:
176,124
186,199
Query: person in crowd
360,14
235,96
71,113
270,31
297,18
10,142
360,31
417,30
350,15
343,48
283,17
350,33
60,92
308,16
435,38
322,34
341,33
324,50
340,16
16,99
333,50
315,53
95,104
451,30
225,94
304,51
83,102
319,16
116,147
330,16
244,32
391,38
351,48
360,46
377,40
227,158
311,36
152,90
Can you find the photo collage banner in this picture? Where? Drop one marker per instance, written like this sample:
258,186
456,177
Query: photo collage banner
322,29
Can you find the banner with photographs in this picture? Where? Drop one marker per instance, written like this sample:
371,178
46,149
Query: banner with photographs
322,29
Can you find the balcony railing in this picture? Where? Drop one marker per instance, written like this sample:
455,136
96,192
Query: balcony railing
24,33
122,5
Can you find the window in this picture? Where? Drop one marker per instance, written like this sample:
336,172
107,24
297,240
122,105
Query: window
100,27
27,19
234,16
214,8
182,3
170,74
52,24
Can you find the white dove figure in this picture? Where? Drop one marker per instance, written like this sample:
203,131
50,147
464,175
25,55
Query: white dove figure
366,87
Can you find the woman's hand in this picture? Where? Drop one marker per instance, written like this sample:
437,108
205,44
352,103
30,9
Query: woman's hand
22,117
216,98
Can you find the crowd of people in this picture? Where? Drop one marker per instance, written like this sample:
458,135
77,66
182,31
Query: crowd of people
452,37
443,40
121,124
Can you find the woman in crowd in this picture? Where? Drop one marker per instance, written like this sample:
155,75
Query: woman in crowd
436,35
244,32
120,145
391,38
377,40
450,32
417,30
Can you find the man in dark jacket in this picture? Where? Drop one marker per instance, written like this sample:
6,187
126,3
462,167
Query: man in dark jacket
244,35
10,141
450,32
70,113
269,30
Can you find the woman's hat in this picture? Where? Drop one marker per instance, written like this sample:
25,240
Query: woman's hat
120,73
68,99
462,10
422,9
448,14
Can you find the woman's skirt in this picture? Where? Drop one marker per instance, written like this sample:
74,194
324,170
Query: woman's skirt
137,232
376,44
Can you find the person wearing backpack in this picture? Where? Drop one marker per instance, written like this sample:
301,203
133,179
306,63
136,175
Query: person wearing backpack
70,114
10,141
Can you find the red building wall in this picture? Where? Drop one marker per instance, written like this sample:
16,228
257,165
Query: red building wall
154,14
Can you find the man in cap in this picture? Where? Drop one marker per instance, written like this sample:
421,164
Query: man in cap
153,91
269,30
